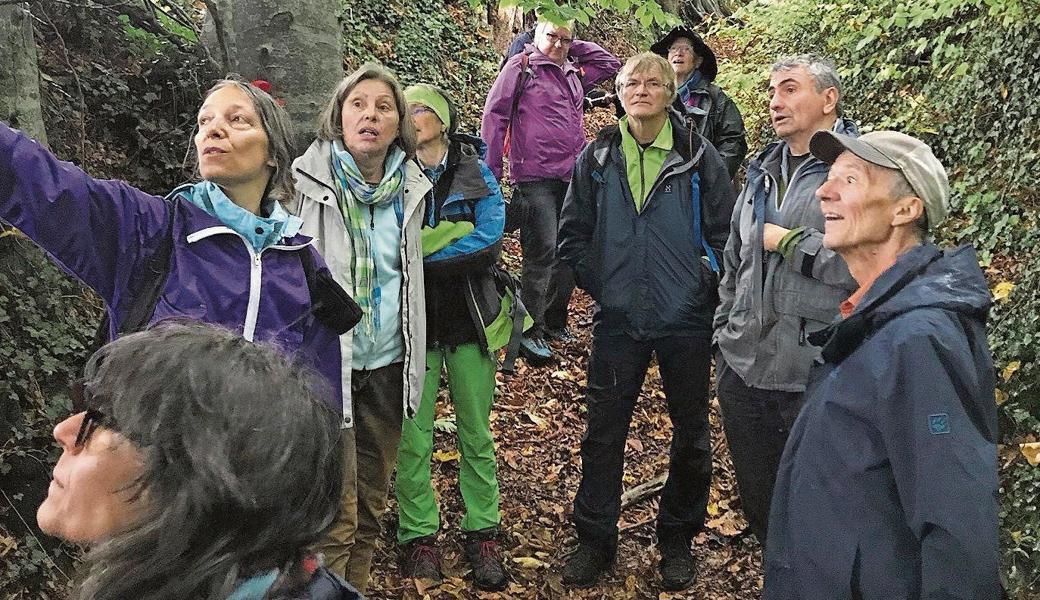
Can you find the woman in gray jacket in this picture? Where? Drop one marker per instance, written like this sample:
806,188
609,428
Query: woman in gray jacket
360,194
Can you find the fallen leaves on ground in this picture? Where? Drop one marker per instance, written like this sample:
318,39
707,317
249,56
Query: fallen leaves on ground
538,421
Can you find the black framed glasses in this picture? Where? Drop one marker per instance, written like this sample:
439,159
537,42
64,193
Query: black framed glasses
92,419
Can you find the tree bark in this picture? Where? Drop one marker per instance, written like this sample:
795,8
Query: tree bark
19,75
293,45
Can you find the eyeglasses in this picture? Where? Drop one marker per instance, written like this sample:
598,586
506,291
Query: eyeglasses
92,419
652,85
553,38
419,109
681,49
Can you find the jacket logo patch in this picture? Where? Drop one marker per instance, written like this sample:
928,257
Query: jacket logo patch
938,424
668,188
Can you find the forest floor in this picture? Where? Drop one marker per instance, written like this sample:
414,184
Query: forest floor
538,421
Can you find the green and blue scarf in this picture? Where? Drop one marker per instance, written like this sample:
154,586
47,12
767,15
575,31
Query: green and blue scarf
352,192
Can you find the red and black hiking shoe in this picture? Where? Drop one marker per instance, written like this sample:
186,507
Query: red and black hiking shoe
485,557
421,559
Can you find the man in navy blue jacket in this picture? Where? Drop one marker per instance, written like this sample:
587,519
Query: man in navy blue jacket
888,485
643,225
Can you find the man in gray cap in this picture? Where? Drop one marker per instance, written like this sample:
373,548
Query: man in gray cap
888,485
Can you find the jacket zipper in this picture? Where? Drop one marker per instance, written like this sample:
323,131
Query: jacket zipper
406,324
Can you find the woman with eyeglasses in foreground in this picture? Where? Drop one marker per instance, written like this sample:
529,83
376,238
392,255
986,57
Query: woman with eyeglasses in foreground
182,489
223,250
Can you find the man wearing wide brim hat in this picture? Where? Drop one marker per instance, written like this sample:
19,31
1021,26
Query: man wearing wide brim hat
711,112
888,484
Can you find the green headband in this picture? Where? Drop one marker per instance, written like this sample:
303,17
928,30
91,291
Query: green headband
428,96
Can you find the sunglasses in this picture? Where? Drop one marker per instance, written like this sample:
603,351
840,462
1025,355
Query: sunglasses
92,419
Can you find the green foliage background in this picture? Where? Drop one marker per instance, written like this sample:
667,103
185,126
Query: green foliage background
438,42
965,76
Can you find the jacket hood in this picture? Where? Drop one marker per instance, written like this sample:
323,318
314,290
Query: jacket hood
688,144
470,144
709,66
925,277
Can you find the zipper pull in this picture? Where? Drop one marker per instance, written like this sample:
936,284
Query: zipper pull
372,216
801,331
256,259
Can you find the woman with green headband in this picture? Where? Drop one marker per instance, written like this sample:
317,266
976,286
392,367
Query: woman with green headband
462,240
361,196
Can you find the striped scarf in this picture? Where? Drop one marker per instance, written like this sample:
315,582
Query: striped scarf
352,192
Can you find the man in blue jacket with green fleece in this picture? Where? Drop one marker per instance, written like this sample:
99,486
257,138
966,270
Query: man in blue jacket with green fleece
644,222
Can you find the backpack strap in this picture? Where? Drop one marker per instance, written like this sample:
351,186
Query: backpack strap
698,234
521,82
516,334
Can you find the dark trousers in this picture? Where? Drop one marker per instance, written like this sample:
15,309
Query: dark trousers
617,368
757,423
546,282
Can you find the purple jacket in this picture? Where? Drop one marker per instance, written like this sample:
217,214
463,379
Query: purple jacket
103,232
548,132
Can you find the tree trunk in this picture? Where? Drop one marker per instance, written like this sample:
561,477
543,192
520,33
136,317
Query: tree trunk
20,75
293,45
507,23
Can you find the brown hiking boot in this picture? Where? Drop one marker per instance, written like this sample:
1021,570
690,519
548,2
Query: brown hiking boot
421,559
485,557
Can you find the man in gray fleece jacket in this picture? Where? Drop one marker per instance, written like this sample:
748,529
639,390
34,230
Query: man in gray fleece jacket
780,283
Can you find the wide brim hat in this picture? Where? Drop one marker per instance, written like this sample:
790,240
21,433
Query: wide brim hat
709,66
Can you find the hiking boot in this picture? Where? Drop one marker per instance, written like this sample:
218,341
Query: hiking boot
584,567
535,351
485,558
421,559
678,570
560,334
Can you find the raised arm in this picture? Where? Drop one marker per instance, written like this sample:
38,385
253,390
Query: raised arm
95,230
597,64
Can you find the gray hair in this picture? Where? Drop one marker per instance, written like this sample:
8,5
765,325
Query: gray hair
899,187
330,123
542,24
642,63
242,468
820,68
278,127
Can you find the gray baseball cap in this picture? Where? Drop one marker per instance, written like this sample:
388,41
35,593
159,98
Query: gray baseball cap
908,155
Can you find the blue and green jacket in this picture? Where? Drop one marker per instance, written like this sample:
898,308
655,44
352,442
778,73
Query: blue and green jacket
459,283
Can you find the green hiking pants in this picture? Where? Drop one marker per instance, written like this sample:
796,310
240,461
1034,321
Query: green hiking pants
471,381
